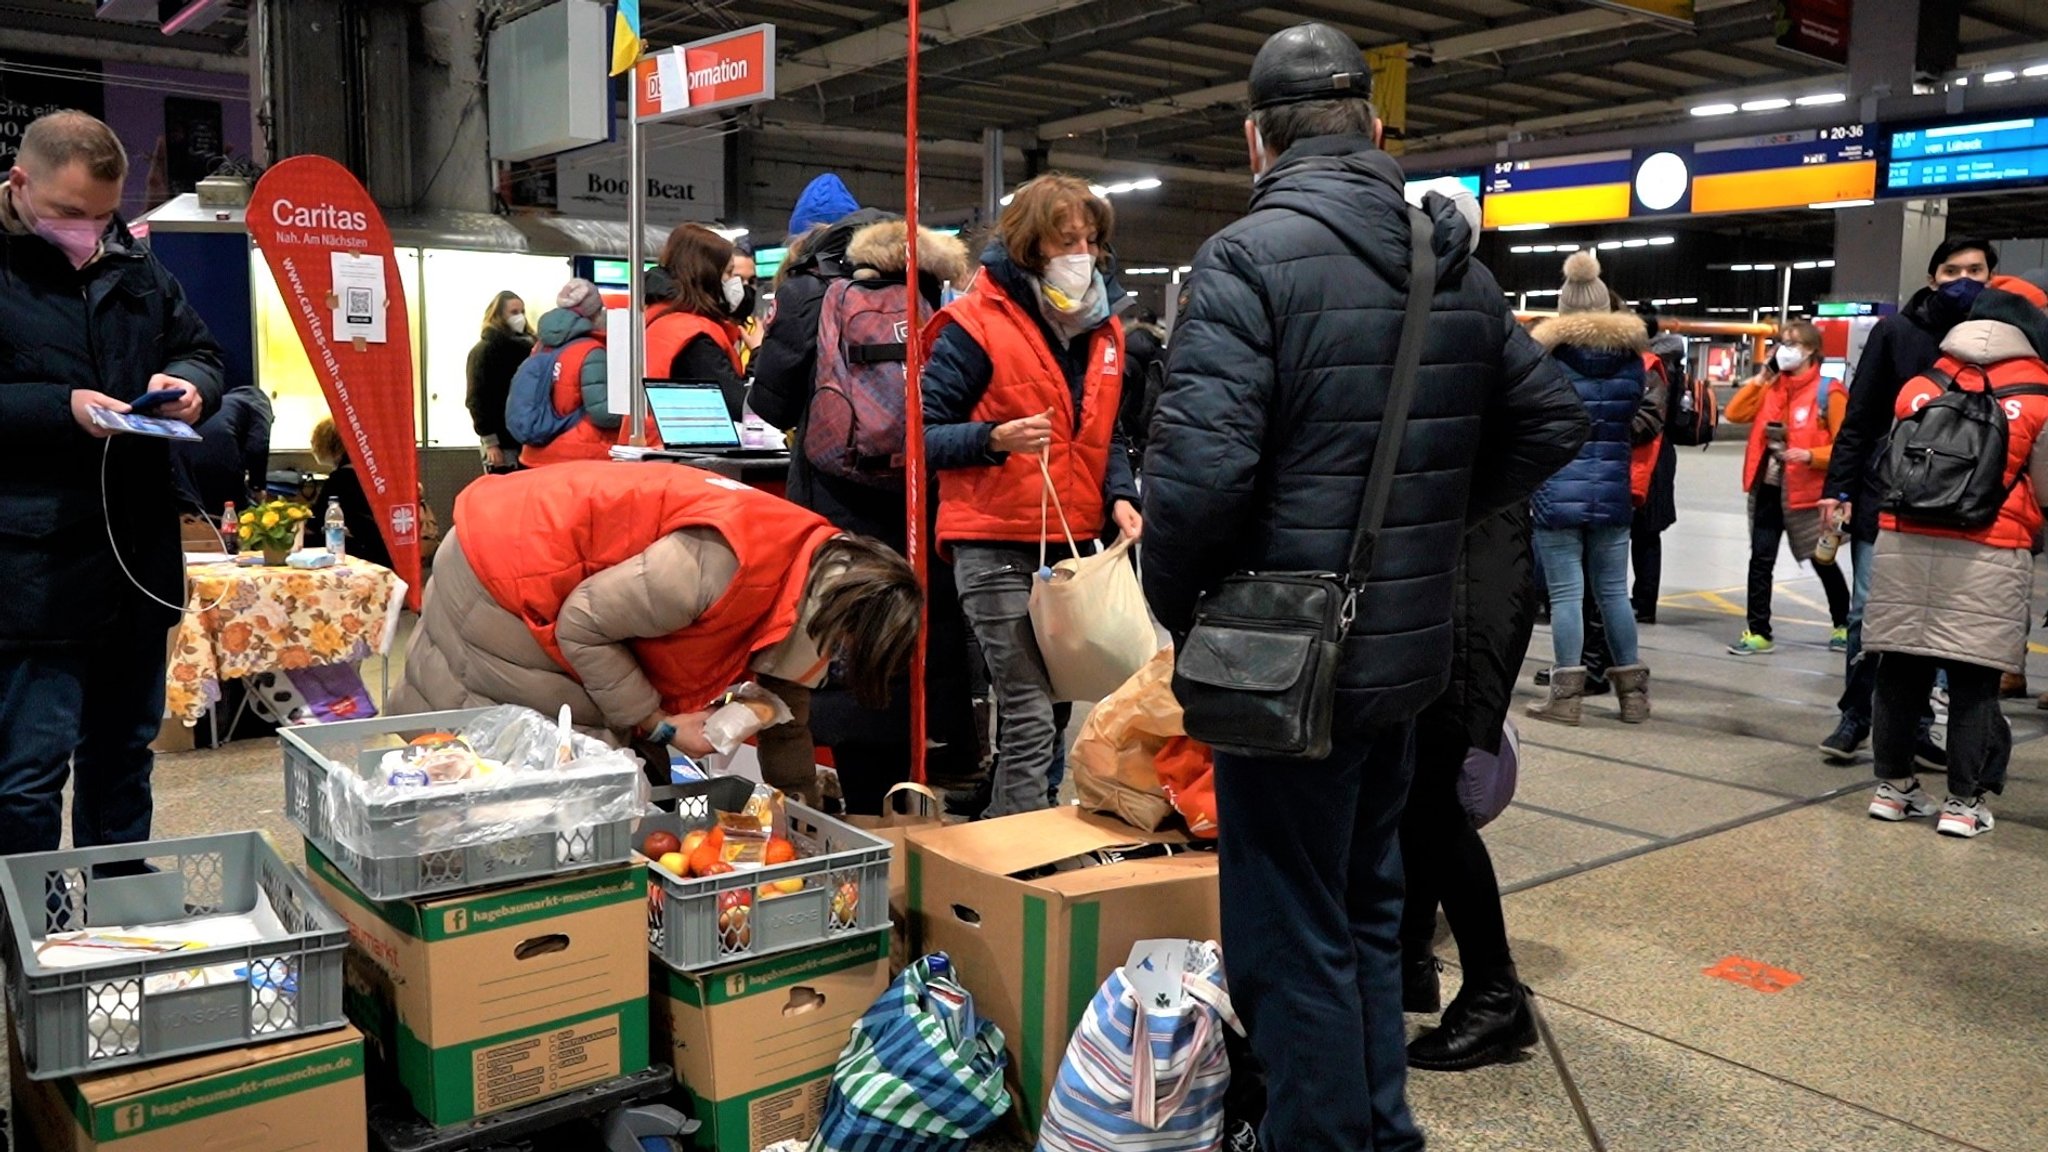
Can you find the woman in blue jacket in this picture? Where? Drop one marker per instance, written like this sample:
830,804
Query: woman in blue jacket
1583,513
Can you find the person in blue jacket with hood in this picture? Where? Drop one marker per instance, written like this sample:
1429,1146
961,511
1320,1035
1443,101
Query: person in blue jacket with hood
1583,513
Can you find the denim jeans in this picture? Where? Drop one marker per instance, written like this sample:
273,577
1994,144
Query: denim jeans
87,712
1310,889
995,593
1859,675
1572,558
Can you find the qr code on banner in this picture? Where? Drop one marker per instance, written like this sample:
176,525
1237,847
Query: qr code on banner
358,308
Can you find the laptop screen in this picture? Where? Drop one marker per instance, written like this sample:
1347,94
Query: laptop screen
692,416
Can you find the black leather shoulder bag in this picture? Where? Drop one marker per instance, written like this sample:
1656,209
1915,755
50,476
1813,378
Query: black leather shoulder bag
1258,674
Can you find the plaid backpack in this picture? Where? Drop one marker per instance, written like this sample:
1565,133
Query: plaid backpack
854,427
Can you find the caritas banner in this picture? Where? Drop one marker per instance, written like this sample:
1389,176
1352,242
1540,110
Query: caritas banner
330,253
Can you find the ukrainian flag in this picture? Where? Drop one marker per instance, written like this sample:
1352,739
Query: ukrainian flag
626,42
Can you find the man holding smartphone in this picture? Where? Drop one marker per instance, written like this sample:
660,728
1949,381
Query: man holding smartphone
91,569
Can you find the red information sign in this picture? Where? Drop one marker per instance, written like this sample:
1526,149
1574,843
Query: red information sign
736,68
329,251
1816,28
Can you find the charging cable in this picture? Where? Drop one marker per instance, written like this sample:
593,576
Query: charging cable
107,513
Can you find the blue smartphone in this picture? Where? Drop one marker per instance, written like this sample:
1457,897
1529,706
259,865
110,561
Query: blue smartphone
157,399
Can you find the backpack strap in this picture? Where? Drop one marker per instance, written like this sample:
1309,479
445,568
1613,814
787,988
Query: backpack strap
895,353
2020,390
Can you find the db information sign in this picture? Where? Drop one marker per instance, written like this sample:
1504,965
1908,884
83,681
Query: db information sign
703,76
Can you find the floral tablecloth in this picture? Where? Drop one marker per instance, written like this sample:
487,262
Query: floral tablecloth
249,619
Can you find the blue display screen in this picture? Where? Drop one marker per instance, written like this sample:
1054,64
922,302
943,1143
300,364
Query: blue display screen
1961,157
1556,172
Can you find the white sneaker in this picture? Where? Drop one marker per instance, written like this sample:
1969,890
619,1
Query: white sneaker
1895,804
1960,817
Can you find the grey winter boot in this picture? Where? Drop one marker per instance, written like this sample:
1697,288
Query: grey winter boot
1567,696
1632,682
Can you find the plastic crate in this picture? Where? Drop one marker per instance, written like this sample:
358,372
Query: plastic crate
312,751
101,1016
846,887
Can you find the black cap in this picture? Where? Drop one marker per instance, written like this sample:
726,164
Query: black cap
1309,62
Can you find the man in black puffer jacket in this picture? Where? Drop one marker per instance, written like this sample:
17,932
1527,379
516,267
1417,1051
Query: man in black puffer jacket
1276,382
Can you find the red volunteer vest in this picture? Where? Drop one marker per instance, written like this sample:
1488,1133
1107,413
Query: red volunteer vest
1642,461
1003,502
548,531
2019,519
584,440
1793,401
669,331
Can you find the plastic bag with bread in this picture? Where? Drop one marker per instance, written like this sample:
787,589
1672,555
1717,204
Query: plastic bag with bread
741,714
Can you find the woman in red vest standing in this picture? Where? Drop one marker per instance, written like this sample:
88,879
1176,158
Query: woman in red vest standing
1024,382
637,593
1793,416
694,334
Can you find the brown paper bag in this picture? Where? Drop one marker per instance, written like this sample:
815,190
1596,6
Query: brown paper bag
1113,758
906,806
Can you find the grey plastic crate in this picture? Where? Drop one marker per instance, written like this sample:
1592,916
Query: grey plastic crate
101,1016
840,864
310,753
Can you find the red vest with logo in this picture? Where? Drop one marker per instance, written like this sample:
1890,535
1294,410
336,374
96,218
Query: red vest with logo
669,331
584,440
1795,402
1642,460
550,530
2019,519
1003,502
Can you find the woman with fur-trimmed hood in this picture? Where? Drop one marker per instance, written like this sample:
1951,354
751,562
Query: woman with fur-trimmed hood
1583,512
870,747
868,245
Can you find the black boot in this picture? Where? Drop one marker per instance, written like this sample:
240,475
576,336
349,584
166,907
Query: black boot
1488,1022
1421,988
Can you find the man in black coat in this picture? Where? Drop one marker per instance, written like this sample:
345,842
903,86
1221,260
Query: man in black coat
1900,347
1277,379
89,547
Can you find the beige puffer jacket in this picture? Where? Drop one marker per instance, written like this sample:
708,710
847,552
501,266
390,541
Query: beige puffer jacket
1957,599
468,652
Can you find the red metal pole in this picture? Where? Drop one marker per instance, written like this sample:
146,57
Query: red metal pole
913,455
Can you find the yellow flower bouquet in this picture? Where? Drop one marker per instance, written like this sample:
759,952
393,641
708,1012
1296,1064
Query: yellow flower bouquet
272,528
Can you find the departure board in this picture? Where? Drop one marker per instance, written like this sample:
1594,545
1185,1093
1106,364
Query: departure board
1978,155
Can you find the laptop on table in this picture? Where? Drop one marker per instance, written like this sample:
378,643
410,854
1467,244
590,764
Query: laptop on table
696,420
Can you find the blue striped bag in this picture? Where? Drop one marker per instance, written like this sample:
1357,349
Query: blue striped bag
1155,1087
922,1072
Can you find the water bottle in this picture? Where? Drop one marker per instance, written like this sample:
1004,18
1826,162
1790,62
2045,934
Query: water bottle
337,529
1830,541
230,528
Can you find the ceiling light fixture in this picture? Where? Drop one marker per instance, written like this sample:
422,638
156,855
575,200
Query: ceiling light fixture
1713,110
1806,265
1609,245
1522,249
1831,205
1741,267
1819,99
1523,227
1765,267
1636,243
1662,241
1827,263
2035,71
1768,104
2000,76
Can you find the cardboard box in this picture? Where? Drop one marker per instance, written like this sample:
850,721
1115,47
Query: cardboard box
298,1095
755,1043
492,999
1035,951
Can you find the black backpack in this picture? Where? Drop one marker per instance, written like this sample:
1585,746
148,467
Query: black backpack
1946,464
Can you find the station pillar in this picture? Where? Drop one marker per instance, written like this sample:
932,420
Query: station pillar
1881,251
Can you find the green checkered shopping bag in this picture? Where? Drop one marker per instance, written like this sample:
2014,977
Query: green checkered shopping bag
922,1073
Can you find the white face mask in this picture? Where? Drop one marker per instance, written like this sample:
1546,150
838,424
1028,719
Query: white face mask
1072,275
1790,357
735,292
1258,155
516,321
